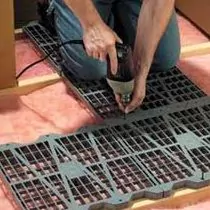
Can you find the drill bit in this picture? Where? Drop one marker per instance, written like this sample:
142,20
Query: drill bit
125,98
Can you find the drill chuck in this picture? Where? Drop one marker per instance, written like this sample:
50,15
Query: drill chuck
125,98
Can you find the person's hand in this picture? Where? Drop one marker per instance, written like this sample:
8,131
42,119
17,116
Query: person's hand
138,95
99,41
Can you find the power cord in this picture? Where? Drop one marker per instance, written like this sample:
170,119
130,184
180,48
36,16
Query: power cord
56,49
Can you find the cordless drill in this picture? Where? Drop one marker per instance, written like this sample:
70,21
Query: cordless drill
122,82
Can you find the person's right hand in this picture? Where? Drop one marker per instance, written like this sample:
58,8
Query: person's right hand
99,41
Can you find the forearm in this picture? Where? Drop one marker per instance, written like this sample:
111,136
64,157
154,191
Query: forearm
153,20
85,12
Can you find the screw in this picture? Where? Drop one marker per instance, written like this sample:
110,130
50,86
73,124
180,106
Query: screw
203,176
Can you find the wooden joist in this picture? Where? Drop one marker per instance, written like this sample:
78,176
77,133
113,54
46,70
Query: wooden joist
181,198
28,85
195,50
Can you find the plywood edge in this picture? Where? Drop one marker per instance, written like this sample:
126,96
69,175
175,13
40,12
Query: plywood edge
29,85
195,50
181,198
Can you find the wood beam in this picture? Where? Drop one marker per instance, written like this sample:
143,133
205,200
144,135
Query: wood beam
181,198
195,50
29,85
7,45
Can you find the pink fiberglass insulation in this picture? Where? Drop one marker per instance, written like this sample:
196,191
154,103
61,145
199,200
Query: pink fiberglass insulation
189,33
25,55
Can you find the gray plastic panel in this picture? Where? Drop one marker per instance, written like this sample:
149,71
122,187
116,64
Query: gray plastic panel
108,166
164,88
45,41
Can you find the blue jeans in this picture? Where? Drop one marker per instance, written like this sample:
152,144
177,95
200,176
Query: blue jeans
122,16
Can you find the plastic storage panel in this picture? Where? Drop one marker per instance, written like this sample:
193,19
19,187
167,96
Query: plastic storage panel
45,41
107,166
163,88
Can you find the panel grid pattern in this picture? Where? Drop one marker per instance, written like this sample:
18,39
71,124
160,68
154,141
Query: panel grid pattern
143,157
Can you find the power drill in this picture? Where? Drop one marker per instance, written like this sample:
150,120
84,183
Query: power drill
123,82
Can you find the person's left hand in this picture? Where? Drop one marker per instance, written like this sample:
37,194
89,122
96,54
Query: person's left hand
138,95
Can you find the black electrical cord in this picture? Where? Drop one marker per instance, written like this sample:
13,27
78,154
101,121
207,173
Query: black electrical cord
56,49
